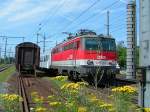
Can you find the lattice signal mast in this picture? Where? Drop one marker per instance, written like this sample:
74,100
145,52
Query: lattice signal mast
131,39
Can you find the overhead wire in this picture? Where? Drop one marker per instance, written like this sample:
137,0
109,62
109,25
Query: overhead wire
114,21
116,25
69,24
118,22
88,17
56,8
117,29
93,15
44,23
118,18
82,13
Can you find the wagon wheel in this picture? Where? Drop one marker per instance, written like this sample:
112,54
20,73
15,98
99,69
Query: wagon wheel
70,76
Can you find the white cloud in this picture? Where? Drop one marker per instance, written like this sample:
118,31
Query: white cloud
74,6
31,14
20,10
11,7
16,13
124,1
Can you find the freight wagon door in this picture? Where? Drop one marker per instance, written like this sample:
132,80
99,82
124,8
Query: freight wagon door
28,57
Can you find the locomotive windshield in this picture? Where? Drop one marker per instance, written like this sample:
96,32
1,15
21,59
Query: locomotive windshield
104,44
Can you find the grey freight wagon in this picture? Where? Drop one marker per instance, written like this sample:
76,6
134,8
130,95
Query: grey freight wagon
27,57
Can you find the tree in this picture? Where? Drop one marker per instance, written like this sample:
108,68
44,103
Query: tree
121,51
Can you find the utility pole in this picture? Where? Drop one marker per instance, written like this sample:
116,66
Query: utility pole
23,39
0,54
56,42
9,55
5,47
108,23
37,38
6,43
37,41
144,60
44,39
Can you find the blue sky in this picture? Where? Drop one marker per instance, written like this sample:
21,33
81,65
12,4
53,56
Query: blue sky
22,18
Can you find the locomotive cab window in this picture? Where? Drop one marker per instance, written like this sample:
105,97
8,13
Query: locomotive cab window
108,45
91,44
100,44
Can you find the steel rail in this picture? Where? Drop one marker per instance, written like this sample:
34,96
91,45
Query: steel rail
22,92
4,67
126,81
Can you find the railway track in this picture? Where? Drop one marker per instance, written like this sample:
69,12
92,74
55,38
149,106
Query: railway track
4,67
29,84
22,92
120,81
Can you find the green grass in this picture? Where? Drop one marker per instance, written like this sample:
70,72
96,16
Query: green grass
1,64
6,73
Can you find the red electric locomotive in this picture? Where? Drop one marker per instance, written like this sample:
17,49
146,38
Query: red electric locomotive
86,55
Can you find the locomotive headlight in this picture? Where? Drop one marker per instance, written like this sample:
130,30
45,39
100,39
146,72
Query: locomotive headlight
90,62
112,63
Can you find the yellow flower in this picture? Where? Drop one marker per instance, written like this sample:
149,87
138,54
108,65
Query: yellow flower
82,109
11,97
74,86
107,106
146,109
70,104
100,102
125,89
39,99
83,83
63,87
50,97
112,109
40,109
74,92
20,99
92,98
55,104
34,94
60,78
